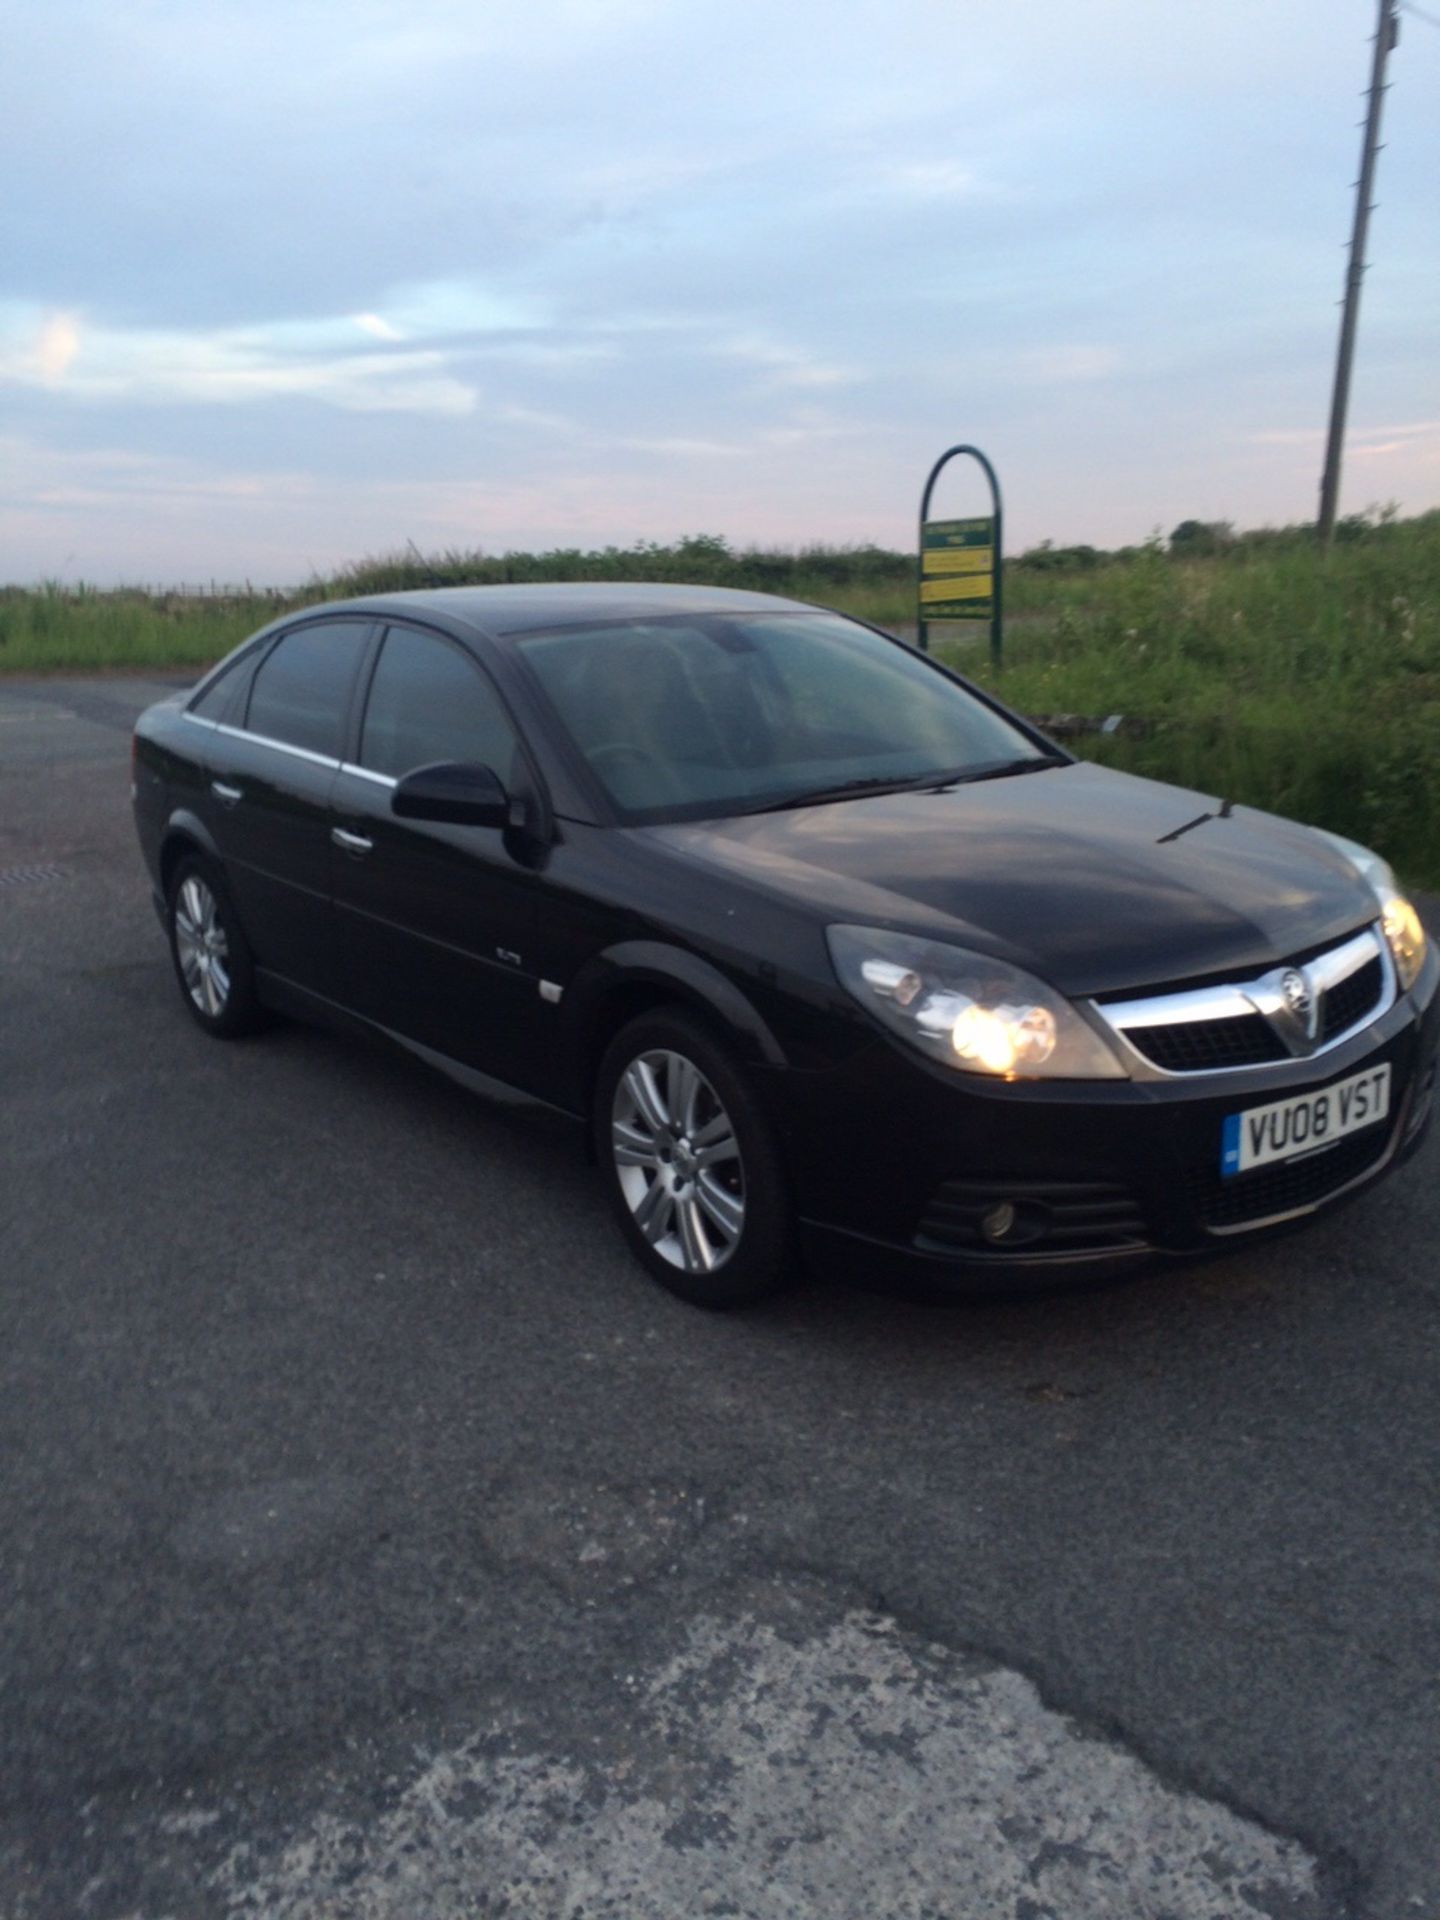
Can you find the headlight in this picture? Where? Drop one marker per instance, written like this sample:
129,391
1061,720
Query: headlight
968,1011
1399,921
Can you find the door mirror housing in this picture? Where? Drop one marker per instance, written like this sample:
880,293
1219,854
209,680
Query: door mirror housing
456,792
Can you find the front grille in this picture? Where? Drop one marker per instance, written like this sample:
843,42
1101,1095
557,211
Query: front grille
1055,1217
1351,999
1199,1046
1283,1188
1211,1029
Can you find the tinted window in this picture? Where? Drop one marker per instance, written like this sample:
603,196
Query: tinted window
213,703
429,702
707,714
302,689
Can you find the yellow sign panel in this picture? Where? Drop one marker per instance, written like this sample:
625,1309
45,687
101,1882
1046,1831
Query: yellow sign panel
959,559
973,586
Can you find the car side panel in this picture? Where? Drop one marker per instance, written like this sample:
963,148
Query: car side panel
435,934
268,809
168,779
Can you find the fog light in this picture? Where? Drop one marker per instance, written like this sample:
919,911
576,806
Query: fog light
998,1221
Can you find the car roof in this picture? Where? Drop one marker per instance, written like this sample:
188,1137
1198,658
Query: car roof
503,611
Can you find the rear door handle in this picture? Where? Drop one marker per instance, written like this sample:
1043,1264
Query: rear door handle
355,843
227,796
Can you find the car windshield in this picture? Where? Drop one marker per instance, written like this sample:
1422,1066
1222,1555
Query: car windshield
699,715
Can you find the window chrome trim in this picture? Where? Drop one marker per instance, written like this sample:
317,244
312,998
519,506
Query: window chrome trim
280,746
284,746
1240,999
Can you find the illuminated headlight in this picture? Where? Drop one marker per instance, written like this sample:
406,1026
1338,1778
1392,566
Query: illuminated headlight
1399,921
968,1011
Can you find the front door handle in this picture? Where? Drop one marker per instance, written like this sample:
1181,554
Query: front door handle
227,796
353,843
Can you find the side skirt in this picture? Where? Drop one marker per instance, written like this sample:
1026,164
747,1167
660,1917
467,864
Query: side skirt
299,1003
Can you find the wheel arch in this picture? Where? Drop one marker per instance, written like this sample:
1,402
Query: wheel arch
185,832
637,976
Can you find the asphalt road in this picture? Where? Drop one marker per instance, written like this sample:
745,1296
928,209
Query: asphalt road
376,1541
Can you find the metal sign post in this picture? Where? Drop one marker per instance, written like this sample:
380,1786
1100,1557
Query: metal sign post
961,564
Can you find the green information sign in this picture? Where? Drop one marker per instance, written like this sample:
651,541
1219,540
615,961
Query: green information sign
961,570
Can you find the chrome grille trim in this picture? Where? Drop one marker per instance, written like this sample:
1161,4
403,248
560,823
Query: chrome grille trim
1244,999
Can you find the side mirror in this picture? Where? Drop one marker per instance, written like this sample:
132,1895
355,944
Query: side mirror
452,791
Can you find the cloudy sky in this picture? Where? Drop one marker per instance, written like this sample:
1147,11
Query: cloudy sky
290,281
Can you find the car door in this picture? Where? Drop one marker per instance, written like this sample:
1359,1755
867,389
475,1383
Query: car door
271,770
434,921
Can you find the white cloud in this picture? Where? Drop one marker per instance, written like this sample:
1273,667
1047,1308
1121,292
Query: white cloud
56,347
783,365
226,366
377,327
931,179
540,418
1314,436
677,446
1067,362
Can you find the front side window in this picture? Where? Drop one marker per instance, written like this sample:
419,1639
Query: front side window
707,714
302,689
429,702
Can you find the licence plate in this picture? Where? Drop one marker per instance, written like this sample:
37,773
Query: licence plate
1306,1124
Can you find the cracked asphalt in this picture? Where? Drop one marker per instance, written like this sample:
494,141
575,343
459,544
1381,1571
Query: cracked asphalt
377,1543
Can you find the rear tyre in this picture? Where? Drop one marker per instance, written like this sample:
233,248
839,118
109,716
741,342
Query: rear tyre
690,1164
212,959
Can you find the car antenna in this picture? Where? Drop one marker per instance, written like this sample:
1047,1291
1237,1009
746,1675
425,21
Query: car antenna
435,579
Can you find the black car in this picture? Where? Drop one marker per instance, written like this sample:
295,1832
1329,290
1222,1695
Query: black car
831,954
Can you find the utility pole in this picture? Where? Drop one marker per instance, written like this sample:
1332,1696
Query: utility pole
1387,33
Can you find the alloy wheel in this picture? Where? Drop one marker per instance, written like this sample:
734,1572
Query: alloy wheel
678,1161
202,947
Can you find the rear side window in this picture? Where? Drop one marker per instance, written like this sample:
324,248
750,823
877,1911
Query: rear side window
429,701
214,702
302,689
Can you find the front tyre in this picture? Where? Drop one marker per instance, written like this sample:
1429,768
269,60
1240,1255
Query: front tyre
690,1164
212,960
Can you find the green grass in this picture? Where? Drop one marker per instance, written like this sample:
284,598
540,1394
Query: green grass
53,629
1269,673
1306,684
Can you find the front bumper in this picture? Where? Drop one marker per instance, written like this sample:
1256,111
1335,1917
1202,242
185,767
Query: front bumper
894,1162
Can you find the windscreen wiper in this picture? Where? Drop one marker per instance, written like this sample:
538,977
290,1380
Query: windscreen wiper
913,783
846,790
1226,808
1031,763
